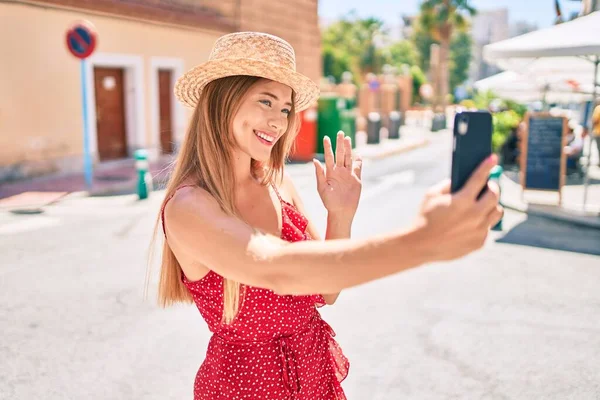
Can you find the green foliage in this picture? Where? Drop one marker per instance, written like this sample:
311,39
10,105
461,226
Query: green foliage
422,41
504,123
468,103
418,78
335,63
460,59
401,52
445,22
483,99
441,17
351,43
519,108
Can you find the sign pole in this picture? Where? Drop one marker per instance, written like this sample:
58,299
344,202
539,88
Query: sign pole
87,159
81,41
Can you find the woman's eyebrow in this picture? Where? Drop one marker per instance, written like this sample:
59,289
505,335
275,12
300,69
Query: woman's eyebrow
275,98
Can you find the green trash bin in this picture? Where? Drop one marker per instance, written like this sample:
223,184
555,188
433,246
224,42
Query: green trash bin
348,124
329,121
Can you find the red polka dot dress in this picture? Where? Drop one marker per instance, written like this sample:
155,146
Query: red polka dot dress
277,348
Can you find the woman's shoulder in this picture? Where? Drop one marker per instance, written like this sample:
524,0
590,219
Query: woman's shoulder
190,198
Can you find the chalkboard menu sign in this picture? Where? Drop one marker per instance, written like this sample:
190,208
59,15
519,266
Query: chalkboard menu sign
543,159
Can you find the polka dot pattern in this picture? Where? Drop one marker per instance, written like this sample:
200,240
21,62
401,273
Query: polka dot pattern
277,348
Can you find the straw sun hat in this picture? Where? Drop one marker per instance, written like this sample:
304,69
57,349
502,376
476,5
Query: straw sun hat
248,53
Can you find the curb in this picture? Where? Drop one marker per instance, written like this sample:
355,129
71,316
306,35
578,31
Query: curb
557,215
588,220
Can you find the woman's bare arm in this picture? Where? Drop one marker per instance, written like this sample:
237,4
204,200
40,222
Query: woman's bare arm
449,226
197,228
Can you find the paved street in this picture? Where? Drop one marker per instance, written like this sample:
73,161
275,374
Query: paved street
517,320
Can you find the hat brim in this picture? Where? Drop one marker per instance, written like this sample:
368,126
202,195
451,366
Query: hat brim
190,85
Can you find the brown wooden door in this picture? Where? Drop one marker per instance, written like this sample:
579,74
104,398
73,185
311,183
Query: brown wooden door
110,113
166,127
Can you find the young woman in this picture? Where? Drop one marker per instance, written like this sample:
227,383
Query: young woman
238,245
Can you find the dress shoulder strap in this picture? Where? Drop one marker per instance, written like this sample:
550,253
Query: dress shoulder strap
162,210
276,191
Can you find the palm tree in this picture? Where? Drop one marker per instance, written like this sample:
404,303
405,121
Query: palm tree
441,18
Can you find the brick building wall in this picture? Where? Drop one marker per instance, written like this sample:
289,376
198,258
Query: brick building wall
296,21
210,14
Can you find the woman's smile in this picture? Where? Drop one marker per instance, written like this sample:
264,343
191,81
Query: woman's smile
266,138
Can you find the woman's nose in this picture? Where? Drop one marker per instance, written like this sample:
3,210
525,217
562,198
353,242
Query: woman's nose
276,123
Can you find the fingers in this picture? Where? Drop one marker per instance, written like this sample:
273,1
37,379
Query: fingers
494,216
320,172
347,152
490,198
442,187
339,150
329,161
479,178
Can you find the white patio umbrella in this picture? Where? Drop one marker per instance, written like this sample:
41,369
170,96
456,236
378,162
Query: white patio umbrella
523,88
550,49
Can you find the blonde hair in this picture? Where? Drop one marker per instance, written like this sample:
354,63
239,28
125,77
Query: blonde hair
205,158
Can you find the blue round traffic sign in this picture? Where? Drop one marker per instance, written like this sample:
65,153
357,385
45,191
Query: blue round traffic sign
81,39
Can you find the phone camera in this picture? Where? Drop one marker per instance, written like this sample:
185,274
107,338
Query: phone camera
463,124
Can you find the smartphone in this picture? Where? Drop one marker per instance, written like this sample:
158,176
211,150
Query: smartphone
472,145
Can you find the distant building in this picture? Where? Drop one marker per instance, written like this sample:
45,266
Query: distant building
408,25
488,26
521,28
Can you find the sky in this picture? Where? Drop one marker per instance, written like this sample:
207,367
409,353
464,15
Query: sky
539,12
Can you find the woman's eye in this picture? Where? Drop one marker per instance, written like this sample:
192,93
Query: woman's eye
286,111
266,102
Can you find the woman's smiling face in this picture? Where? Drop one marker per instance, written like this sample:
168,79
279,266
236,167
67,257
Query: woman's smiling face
263,118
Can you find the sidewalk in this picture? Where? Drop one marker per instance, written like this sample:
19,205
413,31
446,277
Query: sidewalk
113,178
120,177
546,204
410,138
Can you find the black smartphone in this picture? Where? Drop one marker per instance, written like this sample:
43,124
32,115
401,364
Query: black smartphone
472,145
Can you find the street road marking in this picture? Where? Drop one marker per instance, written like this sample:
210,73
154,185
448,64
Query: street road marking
390,181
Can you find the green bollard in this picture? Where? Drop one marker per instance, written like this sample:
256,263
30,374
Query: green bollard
144,184
495,175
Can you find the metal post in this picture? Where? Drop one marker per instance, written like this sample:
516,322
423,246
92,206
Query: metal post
87,159
591,133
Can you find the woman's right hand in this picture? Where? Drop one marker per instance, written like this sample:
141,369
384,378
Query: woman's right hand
456,224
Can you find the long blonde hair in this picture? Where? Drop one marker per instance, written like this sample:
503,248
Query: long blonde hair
205,158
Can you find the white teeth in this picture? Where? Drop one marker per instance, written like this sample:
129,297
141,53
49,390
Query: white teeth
263,136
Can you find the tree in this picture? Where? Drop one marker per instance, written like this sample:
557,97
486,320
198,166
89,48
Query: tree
418,79
460,59
355,40
422,42
335,62
401,52
441,18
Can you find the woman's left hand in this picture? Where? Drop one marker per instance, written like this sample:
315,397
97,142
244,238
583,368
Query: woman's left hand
339,183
